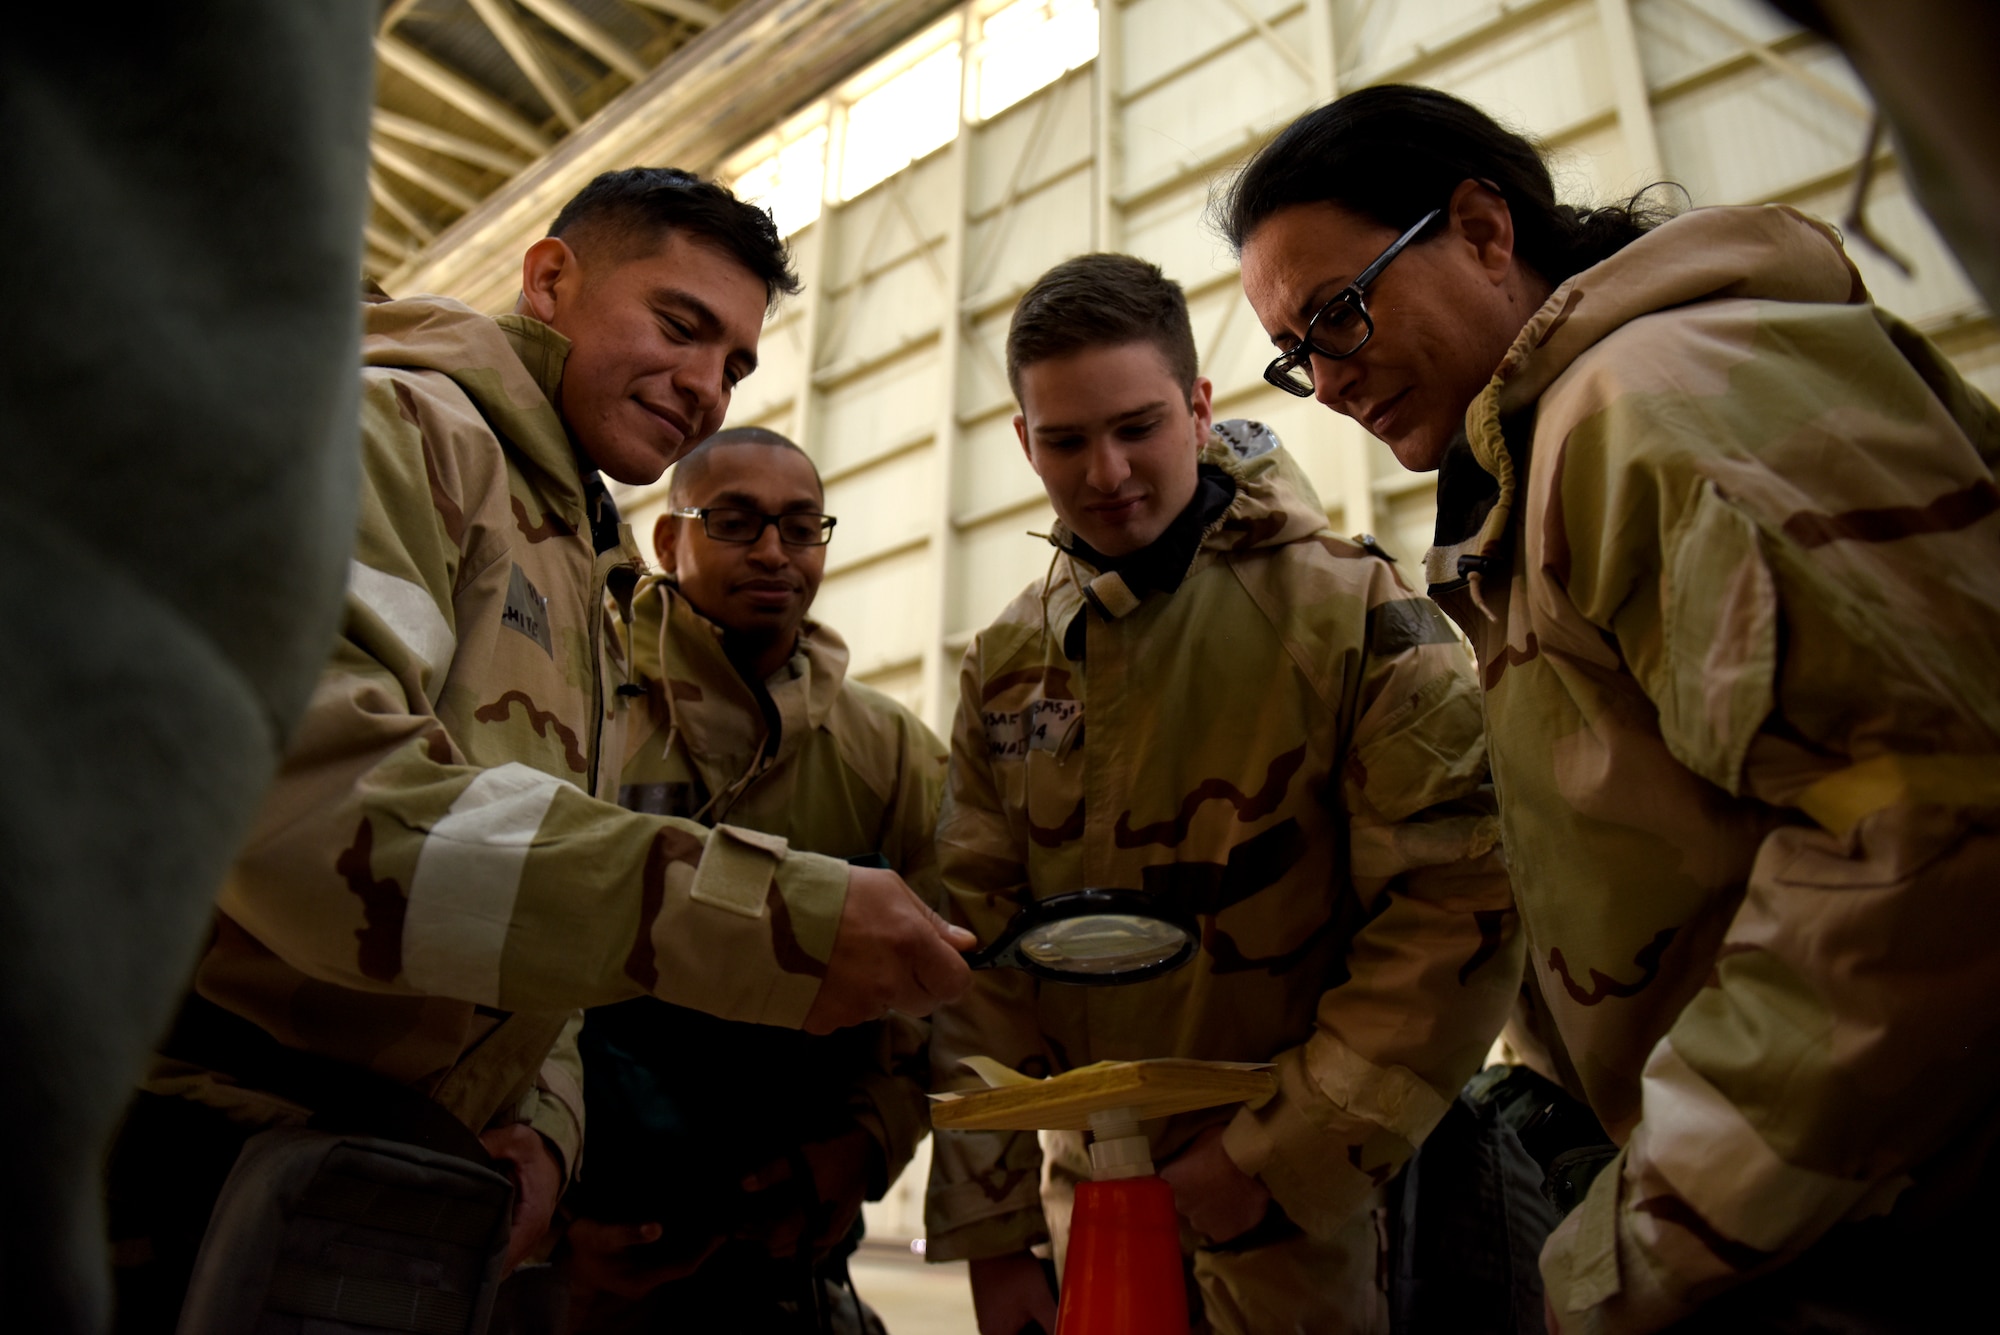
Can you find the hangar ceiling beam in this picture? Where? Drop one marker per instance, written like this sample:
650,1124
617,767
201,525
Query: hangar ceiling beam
687,11
399,208
522,49
391,247
423,134
586,33
461,92
393,159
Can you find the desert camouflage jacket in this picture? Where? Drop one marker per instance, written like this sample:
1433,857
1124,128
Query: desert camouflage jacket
1288,745
1727,543
440,877
852,774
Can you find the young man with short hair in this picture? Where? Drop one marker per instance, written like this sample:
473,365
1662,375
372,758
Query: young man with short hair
742,1152
441,877
1213,700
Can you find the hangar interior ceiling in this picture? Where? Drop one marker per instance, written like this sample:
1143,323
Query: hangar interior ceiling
931,160
470,92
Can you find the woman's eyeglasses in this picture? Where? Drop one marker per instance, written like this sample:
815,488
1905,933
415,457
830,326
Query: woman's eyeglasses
727,523
1342,326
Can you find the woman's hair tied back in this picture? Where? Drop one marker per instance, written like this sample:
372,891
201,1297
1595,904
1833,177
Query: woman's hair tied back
1393,152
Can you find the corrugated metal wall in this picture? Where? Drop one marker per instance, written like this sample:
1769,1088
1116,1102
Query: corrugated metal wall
888,369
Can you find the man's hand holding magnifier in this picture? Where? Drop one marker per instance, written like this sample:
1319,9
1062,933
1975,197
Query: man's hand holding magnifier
891,952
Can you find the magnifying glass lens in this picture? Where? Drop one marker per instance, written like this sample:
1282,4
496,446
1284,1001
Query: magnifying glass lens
1103,943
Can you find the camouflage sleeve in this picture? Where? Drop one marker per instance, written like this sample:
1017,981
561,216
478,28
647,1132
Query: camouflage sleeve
1431,975
1819,641
985,1188
890,1101
554,1106
384,862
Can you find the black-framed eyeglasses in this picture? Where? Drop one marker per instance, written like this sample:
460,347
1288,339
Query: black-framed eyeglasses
729,523
1340,327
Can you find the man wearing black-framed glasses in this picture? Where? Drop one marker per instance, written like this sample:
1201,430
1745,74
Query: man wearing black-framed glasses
749,721
744,538
745,526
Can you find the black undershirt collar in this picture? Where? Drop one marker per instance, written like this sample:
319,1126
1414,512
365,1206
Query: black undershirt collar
1161,565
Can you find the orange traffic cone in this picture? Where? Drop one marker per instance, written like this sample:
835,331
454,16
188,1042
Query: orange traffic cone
1123,1268
1123,1271
1123,1275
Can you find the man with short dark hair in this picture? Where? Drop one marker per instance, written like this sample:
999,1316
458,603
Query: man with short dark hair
1105,301
742,1150
1215,702
441,877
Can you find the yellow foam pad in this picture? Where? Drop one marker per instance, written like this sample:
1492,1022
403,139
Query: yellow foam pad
1158,1088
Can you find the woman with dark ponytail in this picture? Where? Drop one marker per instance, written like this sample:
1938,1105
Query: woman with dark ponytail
1725,540
1395,152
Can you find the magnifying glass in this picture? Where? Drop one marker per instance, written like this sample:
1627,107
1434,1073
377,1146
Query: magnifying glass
1095,937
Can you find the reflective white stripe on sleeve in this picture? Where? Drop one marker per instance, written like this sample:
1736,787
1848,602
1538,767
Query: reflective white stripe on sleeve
406,608
468,877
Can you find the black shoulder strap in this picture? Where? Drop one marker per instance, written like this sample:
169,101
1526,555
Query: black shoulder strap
345,1099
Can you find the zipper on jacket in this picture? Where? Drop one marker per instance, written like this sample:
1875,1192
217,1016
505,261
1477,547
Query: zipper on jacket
604,567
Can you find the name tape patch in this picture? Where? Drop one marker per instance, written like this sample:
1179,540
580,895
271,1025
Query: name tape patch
527,611
1039,726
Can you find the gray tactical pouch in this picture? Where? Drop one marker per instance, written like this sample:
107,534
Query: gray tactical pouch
324,1234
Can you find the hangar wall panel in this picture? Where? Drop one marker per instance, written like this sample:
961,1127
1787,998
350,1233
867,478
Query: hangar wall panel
998,559
880,493
886,406
992,471
880,608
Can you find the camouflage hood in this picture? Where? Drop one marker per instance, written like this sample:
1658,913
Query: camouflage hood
706,704
510,367
1273,505
1771,252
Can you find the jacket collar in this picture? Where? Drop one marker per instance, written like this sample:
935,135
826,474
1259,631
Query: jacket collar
726,722
1241,503
510,367
543,352
1122,582
1770,252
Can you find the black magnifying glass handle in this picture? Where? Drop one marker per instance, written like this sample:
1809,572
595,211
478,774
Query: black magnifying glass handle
995,955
